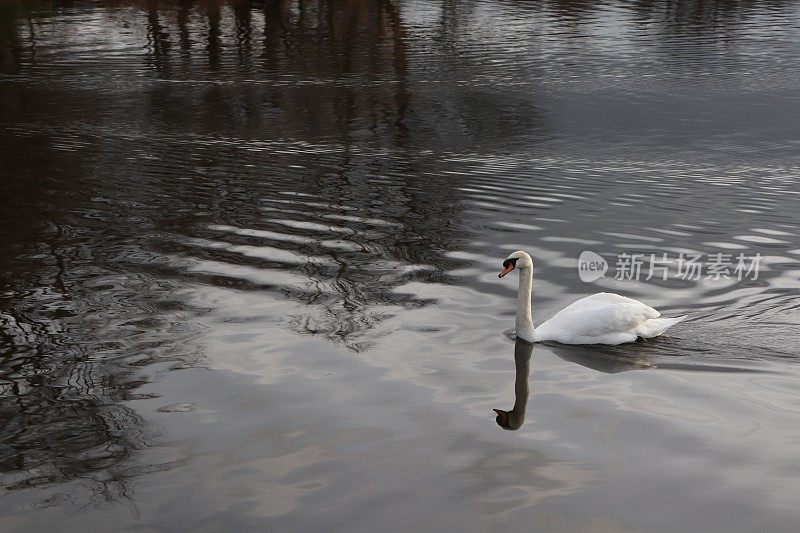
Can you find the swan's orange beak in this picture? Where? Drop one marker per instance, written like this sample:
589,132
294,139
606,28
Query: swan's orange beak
506,270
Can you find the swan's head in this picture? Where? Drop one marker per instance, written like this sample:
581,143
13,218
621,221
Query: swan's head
518,259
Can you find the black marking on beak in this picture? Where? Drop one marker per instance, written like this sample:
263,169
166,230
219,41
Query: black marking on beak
510,262
508,266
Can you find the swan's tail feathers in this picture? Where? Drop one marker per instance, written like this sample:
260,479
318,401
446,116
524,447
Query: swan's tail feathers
656,326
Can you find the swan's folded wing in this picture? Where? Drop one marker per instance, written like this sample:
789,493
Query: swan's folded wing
596,320
602,299
614,318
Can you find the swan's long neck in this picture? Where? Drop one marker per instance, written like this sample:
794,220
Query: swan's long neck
524,318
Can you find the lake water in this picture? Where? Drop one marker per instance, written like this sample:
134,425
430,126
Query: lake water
249,257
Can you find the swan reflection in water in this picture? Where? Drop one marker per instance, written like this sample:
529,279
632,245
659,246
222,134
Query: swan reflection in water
514,418
606,359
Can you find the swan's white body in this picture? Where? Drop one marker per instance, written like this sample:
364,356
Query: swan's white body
603,318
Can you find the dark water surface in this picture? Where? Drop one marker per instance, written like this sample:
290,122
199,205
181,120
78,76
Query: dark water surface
249,255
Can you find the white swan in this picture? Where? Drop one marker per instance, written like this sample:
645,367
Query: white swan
603,318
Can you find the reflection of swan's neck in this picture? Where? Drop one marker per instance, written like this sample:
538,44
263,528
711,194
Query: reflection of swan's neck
522,360
524,319
514,418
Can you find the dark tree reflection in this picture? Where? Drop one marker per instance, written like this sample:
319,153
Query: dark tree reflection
133,185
